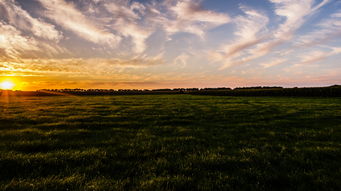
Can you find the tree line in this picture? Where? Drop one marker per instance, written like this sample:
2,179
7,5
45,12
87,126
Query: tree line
330,91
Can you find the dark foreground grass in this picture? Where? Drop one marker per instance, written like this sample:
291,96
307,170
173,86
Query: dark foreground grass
170,142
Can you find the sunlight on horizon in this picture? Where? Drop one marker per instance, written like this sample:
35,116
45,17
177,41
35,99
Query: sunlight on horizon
7,85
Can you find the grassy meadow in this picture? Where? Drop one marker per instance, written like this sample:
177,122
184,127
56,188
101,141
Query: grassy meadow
170,142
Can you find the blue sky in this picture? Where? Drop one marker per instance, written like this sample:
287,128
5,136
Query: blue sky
170,43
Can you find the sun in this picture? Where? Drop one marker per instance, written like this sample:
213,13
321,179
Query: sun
7,85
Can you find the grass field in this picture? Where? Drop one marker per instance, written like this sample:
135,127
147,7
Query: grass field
170,142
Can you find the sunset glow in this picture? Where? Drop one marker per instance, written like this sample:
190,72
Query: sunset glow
170,43
6,85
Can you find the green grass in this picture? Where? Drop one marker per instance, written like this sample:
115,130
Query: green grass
170,142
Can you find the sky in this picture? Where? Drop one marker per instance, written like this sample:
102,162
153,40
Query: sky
149,44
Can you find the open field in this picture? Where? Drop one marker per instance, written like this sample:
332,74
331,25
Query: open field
170,142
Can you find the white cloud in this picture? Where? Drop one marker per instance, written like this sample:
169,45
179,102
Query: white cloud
137,33
186,16
21,19
13,43
295,14
125,20
182,59
68,16
316,55
137,21
250,30
79,66
192,11
327,30
274,62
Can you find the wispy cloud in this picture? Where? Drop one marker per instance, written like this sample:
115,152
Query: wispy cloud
126,21
79,66
68,16
250,30
316,55
138,21
182,59
327,30
295,14
13,43
186,16
273,62
192,18
124,25
21,19
250,45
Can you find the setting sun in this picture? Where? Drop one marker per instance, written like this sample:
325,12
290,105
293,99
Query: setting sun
7,85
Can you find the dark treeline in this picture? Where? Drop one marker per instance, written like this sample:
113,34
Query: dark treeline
331,91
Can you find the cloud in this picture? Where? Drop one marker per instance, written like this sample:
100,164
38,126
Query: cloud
274,62
116,28
21,19
327,30
76,66
68,16
13,43
316,56
186,16
295,14
182,59
250,46
137,33
126,21
250,30
192,11
137,21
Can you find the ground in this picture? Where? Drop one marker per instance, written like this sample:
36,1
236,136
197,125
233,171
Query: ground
170,142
